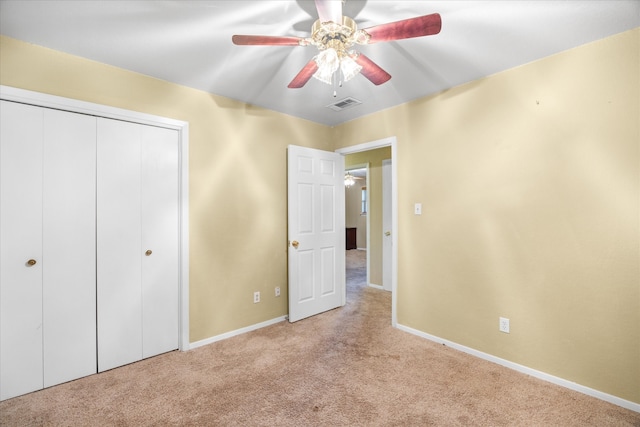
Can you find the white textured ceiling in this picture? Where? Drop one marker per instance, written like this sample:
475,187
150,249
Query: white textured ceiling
189,43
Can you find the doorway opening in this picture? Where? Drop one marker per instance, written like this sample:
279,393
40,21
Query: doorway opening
370,154
357,227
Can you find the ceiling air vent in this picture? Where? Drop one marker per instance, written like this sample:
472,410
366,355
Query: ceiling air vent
343,104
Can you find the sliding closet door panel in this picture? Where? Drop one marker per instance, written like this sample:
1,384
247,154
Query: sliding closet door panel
119,247
159,240
21,249
69,246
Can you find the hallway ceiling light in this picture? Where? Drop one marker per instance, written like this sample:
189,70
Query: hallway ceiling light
349,180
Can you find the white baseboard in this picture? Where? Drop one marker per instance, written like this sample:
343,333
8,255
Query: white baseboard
373,285
236,332
526,370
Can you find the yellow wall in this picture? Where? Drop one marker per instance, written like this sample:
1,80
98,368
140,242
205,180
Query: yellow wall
237,165
529,181
374,158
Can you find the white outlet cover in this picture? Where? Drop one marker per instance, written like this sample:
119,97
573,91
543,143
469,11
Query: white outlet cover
504,325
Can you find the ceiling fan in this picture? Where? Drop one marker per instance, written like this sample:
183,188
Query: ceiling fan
350,179
334,35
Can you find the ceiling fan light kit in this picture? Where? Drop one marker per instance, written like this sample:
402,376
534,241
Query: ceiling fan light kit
333,40
334,35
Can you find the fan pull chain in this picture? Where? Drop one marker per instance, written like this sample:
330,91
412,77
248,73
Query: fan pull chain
336,79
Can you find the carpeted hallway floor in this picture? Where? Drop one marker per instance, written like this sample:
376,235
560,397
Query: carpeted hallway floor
346,367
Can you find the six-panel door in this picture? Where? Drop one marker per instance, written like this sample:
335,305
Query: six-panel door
316,231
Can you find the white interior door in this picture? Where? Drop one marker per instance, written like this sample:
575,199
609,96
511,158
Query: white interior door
159,196
21,368
48,216
119,246
27,359
138,240
69,246
316,227
387,225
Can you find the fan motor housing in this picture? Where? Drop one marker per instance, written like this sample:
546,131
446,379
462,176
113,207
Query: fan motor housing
331,34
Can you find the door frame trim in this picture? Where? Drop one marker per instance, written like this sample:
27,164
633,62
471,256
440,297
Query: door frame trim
23,96
372,145
386,193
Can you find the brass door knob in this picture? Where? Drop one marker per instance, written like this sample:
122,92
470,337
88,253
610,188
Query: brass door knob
295,244
31,262
148,252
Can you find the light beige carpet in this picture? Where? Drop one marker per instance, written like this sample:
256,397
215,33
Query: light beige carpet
347,367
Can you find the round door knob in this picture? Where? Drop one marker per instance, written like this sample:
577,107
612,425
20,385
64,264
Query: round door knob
148,252
295,244
31,262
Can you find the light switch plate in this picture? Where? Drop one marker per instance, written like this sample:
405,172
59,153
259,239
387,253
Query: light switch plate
417,209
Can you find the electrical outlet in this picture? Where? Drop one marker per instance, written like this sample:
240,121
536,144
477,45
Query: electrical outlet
256,297
277,291
504,325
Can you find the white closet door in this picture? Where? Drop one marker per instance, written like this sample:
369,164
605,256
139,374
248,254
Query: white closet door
21,230
159,240
138,304
69,246
119,251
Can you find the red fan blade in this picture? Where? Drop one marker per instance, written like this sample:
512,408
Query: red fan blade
304,75
266,40
413,27
371,70
329,10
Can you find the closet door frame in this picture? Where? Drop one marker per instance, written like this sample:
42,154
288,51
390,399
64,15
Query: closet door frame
67,104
